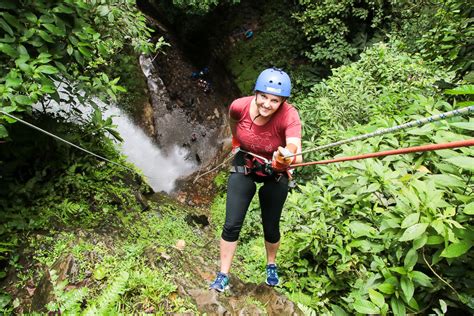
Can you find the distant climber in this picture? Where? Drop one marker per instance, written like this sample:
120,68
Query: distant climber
248,34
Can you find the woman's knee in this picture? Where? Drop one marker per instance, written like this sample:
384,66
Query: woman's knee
231,232
272,236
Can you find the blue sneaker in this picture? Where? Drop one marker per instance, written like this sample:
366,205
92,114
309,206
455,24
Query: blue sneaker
221,282
272,275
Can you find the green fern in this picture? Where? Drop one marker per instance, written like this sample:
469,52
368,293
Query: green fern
109,297
67,302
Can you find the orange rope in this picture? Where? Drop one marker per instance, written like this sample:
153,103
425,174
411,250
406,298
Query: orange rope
431,147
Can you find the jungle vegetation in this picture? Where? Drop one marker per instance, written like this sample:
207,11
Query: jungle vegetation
380,236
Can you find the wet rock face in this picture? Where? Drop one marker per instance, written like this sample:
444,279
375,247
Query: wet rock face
188,113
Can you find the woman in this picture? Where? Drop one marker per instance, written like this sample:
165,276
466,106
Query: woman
263,125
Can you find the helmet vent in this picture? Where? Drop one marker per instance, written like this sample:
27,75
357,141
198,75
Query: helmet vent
271,81
279,83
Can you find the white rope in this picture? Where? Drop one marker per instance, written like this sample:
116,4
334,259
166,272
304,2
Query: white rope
419,122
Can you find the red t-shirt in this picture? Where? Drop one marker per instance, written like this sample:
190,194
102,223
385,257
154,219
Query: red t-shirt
264,140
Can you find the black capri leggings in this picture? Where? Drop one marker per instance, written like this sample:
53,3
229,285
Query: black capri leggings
240,191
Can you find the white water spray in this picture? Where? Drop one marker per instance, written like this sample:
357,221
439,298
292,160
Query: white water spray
161,170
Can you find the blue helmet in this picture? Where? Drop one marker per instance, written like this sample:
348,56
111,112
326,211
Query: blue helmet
274,81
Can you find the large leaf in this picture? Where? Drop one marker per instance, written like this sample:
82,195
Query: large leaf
8,50
359,229
3,131
465,89
407,287
456,249
464,125
47,69
376,297
469,209
398,307
410,220
447,180
463,162
413,232
4,25
420,278
365,307
410,259
387,288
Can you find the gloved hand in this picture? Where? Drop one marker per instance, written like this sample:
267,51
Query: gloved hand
235,145
280,161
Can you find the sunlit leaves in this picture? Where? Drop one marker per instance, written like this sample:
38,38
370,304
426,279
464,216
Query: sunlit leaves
413,232
456,249
48,42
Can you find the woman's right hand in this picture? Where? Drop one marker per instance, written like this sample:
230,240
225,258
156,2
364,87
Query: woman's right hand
235,145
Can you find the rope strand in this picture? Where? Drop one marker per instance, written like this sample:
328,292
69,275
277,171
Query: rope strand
65,141
419,122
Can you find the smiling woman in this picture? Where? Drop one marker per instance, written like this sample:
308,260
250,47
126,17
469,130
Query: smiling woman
261,125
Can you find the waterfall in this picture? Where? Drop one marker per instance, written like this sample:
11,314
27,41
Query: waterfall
160,169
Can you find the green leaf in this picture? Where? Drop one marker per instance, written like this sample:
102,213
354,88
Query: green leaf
8,50
447,180
359,229
469,209
398,307
413,232
410,260
338,311
420,278
377,298
4,25
387,288
23,99
456,249
9,109
3,131
103,10
420,241
365,307
31,17
47,69
63,9
399,270
444,306
435,240
464,125
462,162
54,29
407,287
410,220
465,89
84,51
45,36
13,21
13,82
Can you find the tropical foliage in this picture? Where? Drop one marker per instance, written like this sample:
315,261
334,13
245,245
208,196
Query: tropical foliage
59,50
379,236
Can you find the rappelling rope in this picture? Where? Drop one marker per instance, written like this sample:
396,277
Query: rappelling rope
419,122
67,142
430,147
